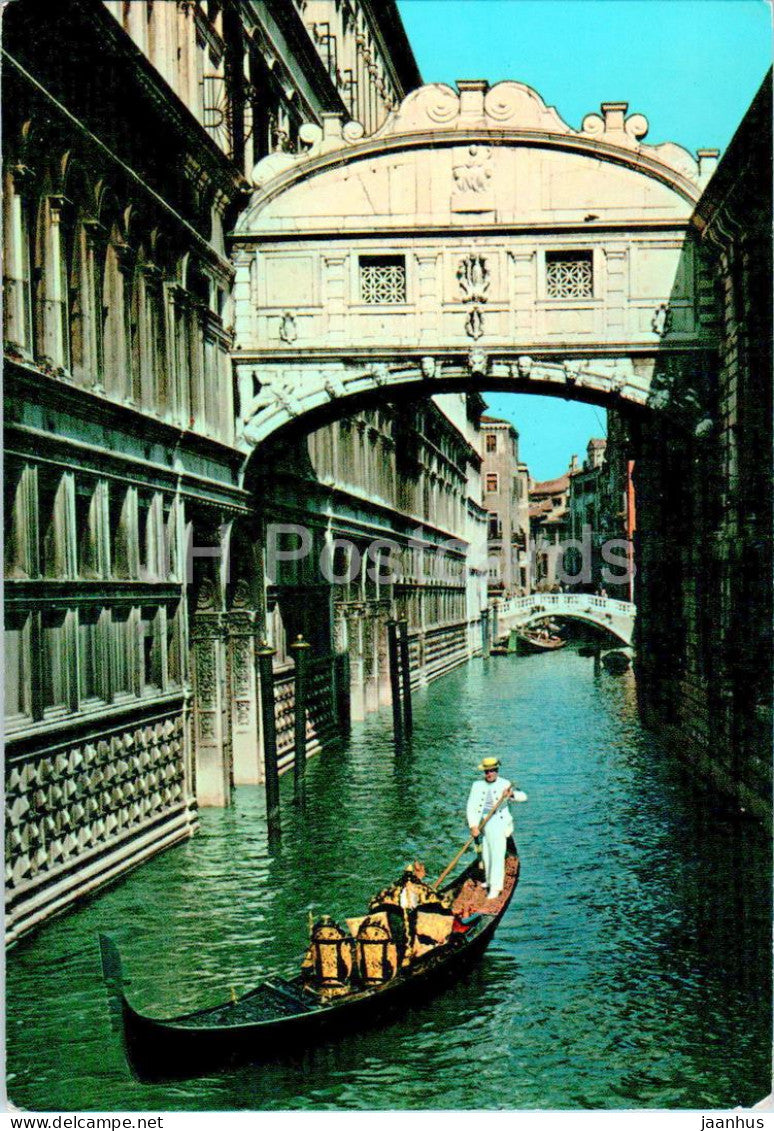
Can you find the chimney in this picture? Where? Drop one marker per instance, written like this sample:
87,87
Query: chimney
573,464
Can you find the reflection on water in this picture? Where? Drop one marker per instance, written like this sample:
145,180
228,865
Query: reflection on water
632,969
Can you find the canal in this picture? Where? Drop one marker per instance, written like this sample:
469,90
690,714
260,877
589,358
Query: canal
631,971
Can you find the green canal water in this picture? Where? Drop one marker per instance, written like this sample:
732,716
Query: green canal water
632,969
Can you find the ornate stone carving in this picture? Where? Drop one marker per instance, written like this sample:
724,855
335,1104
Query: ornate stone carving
478,363
472,173
206,675
429,367
288,331
661,322
334,387
508,106
474,278
57,808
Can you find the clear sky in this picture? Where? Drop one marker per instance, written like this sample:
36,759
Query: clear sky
692,67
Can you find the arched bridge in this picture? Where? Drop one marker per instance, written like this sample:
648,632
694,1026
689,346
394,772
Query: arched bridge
615,617
475,241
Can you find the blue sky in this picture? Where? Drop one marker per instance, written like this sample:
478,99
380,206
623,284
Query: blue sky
692,67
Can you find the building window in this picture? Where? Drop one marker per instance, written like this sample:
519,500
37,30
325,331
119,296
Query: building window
495,526
150,636
491,442
17,666
54,666
122,652
569,274
493,481
382,279
92,664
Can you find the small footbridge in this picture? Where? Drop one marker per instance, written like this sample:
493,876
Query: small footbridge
615,617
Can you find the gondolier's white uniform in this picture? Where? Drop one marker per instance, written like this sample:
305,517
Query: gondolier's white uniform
484,795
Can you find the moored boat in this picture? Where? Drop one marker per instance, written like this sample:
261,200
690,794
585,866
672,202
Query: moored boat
531,640
284,1016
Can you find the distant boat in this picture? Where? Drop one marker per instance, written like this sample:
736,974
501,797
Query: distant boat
535,640
505,647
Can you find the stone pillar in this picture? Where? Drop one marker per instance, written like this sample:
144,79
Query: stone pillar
55,337
357,665
617,293
211,721
245,723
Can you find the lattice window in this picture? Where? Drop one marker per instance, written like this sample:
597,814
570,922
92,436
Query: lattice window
569,274
382,279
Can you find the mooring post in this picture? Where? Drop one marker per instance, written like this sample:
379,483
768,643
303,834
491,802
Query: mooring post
265,656
495,621
300,652
405,667
392,647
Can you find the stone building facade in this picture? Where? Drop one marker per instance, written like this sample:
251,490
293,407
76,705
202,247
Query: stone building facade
703,481
506,499
128,131
549,523
378,516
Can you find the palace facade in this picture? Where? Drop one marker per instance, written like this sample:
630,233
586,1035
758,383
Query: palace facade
130,130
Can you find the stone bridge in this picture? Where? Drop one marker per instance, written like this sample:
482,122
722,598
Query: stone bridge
615,617
476,241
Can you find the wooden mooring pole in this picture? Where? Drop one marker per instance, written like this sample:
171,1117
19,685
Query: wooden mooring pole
393,653
265,657
300,652
405,668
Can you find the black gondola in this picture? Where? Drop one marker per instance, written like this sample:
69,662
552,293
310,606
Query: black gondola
284,1016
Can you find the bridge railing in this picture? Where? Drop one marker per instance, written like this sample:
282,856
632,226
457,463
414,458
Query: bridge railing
570,602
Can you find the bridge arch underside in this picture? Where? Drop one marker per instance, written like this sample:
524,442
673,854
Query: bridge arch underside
475,241
605,625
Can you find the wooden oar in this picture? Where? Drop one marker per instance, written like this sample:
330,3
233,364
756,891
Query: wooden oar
471,840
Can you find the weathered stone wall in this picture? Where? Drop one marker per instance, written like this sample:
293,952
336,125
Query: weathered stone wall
704,496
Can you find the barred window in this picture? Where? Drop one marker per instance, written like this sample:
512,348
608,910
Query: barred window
382,279
569,274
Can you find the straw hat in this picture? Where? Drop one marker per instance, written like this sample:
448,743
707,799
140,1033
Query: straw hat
490,764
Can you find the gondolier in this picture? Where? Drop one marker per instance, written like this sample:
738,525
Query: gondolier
484,797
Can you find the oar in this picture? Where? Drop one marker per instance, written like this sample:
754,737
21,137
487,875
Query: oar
471,840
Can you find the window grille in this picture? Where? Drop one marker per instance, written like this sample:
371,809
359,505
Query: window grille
383,279
569,274
492,481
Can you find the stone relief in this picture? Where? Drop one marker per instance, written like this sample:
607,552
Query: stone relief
474,279
288,331
661,322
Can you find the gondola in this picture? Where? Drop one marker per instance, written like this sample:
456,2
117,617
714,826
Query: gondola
281,1017
532,642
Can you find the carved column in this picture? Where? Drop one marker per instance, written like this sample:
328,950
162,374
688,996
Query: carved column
17,277
211,726
248,761
55,313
